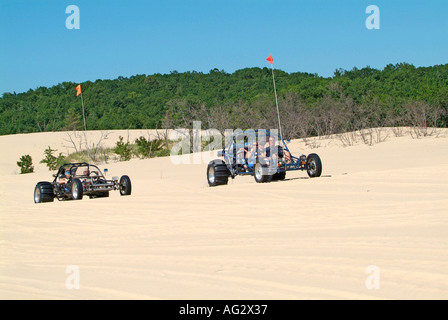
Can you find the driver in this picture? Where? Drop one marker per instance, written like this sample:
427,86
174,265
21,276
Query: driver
64,178
240,157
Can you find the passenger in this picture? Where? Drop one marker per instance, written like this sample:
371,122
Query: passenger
251,157
279,152
261,151
86,176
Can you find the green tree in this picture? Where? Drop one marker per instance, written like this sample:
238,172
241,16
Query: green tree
124,150
26,164
147,147
50,160
141,101
72,121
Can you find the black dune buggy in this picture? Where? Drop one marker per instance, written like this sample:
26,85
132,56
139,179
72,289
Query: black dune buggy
73,180
261,154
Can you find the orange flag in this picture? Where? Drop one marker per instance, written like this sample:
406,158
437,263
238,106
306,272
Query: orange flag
270,59
78,90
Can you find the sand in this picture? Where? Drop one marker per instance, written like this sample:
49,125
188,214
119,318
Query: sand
374,226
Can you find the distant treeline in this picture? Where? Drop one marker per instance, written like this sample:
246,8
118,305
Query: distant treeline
398,95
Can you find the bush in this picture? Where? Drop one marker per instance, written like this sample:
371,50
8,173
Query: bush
26,164
124,150
52,161
80,156
143,147
147,148
162,153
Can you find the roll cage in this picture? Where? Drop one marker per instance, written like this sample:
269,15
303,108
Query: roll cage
242,141
79,170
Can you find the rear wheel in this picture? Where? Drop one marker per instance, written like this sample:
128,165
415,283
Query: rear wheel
313,165
125,186
279,176
77,190
261,173
43,192
217,173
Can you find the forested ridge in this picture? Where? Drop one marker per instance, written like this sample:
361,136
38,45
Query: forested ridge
395,95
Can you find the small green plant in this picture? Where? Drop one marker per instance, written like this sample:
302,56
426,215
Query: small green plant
124,150
50,160
162,153
143,147
80,156
147,148
26,164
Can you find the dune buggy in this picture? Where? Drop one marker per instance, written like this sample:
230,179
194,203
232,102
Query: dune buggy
74,180
261,154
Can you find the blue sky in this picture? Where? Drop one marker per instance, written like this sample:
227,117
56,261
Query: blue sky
124,38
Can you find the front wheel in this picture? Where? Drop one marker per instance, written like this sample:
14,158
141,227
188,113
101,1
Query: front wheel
313,165
261,173
125,186
43,192
217,173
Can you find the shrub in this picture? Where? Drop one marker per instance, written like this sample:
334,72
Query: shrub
26,164
162,153
124,150
52,161
143,147
147,148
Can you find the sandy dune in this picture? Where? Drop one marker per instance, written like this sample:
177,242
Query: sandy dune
176,238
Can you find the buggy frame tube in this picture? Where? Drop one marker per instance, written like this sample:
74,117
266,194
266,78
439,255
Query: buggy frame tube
230,154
